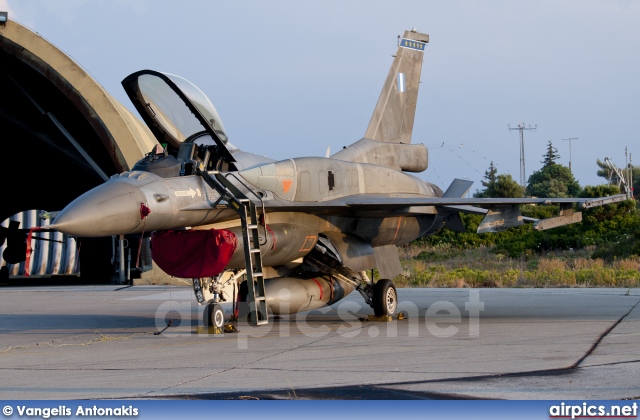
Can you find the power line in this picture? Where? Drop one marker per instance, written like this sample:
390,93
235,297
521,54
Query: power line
522,128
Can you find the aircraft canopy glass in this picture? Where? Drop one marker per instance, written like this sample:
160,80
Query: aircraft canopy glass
171,112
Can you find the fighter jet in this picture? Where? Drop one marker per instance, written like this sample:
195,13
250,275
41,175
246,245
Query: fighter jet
292,235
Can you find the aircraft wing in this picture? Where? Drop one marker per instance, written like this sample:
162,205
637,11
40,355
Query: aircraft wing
390,202
465,205
500,213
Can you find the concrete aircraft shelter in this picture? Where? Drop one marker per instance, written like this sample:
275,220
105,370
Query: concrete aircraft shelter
49,102
61,132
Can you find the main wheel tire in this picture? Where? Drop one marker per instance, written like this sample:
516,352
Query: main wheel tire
213,316
385,298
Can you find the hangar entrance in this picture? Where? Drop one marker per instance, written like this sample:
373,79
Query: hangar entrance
62,134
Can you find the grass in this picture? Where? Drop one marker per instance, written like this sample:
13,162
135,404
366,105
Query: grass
445,266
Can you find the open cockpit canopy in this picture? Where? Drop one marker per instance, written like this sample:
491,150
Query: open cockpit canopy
177,111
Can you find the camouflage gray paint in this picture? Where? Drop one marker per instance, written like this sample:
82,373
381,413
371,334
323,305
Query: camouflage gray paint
324,221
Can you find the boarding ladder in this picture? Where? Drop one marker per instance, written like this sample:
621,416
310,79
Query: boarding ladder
246,209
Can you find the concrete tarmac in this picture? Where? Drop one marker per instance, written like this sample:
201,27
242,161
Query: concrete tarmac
98,342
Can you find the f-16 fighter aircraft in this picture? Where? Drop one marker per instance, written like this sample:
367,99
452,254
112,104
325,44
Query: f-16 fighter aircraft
291,235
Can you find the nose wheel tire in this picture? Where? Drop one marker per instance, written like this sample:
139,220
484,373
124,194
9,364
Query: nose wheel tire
385,298
213,316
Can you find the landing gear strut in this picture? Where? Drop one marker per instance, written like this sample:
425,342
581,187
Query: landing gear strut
385,298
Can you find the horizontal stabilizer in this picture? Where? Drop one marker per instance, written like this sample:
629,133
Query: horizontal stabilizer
458,188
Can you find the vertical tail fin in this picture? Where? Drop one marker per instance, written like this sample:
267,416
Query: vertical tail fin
392,119
387,139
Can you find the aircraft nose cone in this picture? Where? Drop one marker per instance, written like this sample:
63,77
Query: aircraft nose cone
112,208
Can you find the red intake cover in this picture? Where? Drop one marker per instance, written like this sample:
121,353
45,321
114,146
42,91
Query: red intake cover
193,253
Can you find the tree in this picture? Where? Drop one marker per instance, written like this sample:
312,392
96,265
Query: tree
552,180
490,175
498,186
505,186
551,156
595,191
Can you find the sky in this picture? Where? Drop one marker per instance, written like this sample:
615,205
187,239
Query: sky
292,78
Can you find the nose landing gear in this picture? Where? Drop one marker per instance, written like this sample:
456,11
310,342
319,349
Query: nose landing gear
213,316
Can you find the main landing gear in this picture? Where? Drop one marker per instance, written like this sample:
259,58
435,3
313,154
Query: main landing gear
381,295
385,298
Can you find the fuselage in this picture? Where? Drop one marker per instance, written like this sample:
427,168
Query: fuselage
294,193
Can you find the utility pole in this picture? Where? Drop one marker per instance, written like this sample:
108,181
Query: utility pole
631,176
626,161
570,138
522,128
629,171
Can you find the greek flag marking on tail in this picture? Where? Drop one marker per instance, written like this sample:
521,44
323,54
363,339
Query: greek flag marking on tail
400,82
